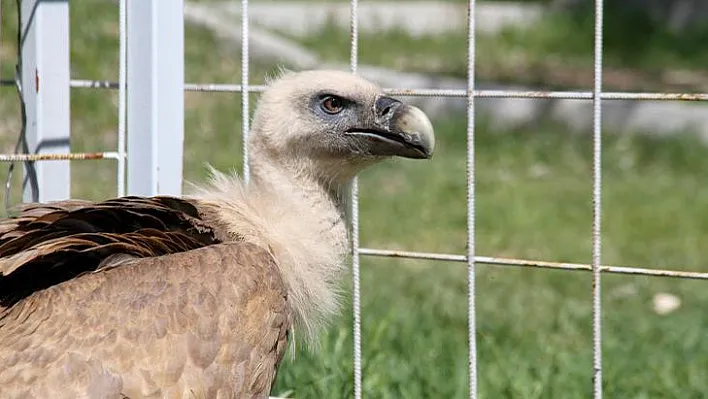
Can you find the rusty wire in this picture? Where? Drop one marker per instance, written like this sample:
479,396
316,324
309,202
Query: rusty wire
75,156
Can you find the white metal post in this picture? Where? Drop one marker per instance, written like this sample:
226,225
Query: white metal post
155,94
45,87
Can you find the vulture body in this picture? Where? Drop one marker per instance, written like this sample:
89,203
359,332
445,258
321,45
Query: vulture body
197,296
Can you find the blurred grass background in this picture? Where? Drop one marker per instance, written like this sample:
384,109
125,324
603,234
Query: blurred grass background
533,201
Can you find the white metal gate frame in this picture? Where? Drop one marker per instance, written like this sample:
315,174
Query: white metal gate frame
151,78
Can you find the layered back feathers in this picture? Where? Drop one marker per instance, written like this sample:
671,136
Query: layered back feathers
48,244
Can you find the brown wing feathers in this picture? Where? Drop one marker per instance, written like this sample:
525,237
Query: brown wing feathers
48,244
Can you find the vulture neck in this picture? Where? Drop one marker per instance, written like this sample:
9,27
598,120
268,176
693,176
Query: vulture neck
301,220
296,180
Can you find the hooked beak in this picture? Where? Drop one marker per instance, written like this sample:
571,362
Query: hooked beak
398,130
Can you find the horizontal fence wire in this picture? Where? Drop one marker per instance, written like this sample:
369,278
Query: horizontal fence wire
490,260
77,156
455,93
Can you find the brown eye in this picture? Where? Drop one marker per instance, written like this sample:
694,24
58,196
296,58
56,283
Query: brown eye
332,104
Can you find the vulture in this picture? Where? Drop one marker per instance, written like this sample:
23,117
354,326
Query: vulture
197,296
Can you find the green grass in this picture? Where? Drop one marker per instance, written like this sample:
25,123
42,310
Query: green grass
644,45
555,52
533,201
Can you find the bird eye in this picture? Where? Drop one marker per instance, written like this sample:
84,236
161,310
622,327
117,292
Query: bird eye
332,104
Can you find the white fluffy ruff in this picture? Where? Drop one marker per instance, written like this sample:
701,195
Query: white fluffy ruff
306,236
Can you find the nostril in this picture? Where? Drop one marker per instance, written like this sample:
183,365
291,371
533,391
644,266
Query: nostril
386,106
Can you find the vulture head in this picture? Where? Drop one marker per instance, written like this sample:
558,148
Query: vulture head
328,125
312,132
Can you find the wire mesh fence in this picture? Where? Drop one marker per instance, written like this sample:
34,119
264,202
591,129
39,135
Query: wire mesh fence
470,94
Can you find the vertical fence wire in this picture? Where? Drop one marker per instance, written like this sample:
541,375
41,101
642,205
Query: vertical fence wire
244,87
597,208
356,278
122,75
471,293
